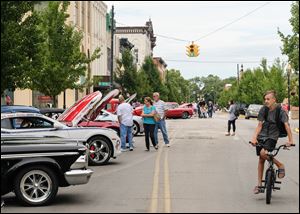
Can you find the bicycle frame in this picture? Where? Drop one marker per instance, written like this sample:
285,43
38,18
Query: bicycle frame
270,174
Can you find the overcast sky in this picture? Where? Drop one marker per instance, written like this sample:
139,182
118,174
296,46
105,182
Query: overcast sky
246,41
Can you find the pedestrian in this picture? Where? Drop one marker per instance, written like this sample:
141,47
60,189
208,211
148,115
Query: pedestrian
125,117
160,107
231,117
8,100
210,109
267,133
149,123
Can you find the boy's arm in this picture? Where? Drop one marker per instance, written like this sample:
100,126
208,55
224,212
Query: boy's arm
257,131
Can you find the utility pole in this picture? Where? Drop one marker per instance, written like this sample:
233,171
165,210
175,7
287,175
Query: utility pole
112,48
238,74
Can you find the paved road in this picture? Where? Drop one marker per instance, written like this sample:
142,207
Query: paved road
203,171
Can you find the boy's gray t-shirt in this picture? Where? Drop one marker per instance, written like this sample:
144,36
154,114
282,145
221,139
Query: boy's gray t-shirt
273,132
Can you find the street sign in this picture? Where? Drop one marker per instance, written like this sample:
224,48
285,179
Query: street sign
104,83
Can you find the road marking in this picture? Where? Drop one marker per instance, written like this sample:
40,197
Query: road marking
167,184
155,188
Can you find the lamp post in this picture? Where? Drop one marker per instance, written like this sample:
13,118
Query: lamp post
289,69
112,48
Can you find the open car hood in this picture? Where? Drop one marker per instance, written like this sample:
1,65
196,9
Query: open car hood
87,108
129,99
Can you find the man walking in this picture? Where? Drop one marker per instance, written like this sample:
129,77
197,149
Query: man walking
125,118
161,124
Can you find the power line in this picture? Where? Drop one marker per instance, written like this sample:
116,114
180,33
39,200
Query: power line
215,62
212,32
224,26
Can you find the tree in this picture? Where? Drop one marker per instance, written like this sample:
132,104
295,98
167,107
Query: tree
20,38
61,63
128,77
291,42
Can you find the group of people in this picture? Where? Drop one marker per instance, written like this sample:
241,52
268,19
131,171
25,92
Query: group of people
153,119
204,110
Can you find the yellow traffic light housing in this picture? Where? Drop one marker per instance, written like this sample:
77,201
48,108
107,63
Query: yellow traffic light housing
192,50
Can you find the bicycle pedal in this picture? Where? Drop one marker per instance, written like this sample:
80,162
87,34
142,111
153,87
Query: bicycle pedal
276,188
277,182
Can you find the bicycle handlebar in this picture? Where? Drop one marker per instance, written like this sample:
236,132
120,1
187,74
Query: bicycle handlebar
276,149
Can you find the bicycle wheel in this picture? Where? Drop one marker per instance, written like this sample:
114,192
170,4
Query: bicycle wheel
269,186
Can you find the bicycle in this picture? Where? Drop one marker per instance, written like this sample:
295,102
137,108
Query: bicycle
270,174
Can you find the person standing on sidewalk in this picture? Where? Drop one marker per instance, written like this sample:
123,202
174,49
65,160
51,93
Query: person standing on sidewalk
231,117
161,124
149,123
125,118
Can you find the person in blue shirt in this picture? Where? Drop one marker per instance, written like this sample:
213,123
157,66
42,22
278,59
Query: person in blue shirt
149,123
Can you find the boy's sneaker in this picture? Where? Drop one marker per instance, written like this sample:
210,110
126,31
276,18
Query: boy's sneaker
131,149
123,150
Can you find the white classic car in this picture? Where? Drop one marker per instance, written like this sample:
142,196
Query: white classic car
105,142
138,127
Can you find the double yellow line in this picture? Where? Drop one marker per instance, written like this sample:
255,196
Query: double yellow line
155,189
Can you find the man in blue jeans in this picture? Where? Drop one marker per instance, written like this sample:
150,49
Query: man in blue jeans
161,124
125,118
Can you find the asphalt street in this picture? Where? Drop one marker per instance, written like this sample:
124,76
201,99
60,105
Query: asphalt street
202,171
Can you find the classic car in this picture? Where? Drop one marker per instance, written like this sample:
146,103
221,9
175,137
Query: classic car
35,167
112,105
175,111
137,128
103,143
252,111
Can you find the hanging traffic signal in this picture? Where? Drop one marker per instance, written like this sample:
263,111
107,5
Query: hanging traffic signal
192,50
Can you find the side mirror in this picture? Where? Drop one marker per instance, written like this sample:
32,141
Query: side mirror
57,126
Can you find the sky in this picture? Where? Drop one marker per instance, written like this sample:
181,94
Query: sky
228,33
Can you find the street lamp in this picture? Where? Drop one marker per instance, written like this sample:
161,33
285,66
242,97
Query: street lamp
289,69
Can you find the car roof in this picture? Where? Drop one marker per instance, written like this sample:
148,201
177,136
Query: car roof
18,108
20,114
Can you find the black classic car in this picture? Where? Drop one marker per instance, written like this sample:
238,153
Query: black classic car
34,167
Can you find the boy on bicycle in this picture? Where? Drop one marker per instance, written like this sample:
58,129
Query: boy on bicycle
267,133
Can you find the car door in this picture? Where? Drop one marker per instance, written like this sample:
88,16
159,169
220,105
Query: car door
31,125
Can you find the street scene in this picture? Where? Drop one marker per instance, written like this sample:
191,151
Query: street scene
149,107
202,171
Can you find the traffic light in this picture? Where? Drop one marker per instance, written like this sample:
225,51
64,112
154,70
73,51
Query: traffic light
192,50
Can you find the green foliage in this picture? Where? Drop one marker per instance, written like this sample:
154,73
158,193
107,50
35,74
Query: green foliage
291,42
19,43
61,63
127,78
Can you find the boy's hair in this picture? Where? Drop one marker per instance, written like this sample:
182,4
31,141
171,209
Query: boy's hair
273,92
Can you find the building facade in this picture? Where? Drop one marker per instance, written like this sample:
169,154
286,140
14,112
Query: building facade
143,39
90,17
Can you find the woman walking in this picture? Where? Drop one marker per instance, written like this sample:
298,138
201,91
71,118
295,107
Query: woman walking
231,118
149,123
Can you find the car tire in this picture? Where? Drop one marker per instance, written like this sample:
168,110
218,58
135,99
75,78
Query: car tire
135,128
100,150
47,182
185,115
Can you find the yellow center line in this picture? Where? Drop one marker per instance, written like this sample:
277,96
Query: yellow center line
155,189
167,184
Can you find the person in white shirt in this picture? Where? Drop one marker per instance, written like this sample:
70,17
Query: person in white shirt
161,124
125,117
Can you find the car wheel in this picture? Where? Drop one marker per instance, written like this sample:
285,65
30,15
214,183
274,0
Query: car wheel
135,128
185,115
100,150
36,185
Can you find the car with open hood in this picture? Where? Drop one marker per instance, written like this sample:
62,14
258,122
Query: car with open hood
103,143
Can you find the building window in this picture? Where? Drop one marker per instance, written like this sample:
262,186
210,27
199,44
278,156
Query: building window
77,13
83,16
89,17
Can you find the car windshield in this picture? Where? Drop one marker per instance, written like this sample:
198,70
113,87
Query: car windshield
255,107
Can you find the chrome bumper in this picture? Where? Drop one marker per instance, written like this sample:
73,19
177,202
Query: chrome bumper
78,176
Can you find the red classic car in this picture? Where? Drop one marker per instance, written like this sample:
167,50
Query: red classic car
174,111
112,105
